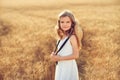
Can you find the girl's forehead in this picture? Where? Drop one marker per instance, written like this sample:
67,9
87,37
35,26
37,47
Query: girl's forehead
65,18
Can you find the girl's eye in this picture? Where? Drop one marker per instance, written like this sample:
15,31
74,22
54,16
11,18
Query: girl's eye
68,22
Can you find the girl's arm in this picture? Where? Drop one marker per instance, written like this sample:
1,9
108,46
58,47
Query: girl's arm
74,55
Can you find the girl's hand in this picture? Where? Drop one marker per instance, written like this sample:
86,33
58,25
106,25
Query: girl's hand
54,57
53,53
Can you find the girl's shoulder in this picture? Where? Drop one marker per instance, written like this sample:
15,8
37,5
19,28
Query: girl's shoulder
73,40
73,37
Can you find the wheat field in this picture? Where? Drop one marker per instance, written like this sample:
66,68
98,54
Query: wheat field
27,38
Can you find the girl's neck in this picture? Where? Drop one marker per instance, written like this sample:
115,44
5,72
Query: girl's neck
64,36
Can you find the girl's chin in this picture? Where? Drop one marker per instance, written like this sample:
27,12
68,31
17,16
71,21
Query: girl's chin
65,29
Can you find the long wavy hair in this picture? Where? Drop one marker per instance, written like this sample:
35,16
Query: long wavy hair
73,29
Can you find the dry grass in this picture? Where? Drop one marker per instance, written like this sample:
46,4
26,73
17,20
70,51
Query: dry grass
27,39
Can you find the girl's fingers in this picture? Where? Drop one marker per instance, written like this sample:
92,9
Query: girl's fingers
53,53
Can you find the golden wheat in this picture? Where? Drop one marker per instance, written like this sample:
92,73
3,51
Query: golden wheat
27,38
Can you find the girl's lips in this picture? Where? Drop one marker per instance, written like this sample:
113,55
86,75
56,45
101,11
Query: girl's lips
65,27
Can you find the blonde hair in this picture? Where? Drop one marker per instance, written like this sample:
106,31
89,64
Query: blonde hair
74,25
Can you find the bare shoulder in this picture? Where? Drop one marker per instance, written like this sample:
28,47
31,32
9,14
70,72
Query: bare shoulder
73,38
73,41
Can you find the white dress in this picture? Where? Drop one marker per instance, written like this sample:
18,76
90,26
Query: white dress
67,69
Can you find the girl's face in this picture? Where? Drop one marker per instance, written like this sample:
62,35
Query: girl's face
65,23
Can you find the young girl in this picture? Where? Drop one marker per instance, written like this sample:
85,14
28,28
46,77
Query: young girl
66,68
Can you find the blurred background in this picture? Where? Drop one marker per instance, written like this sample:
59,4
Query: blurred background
27,38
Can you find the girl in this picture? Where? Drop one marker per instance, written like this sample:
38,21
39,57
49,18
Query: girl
66,68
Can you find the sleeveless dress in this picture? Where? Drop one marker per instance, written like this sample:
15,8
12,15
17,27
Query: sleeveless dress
67,69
